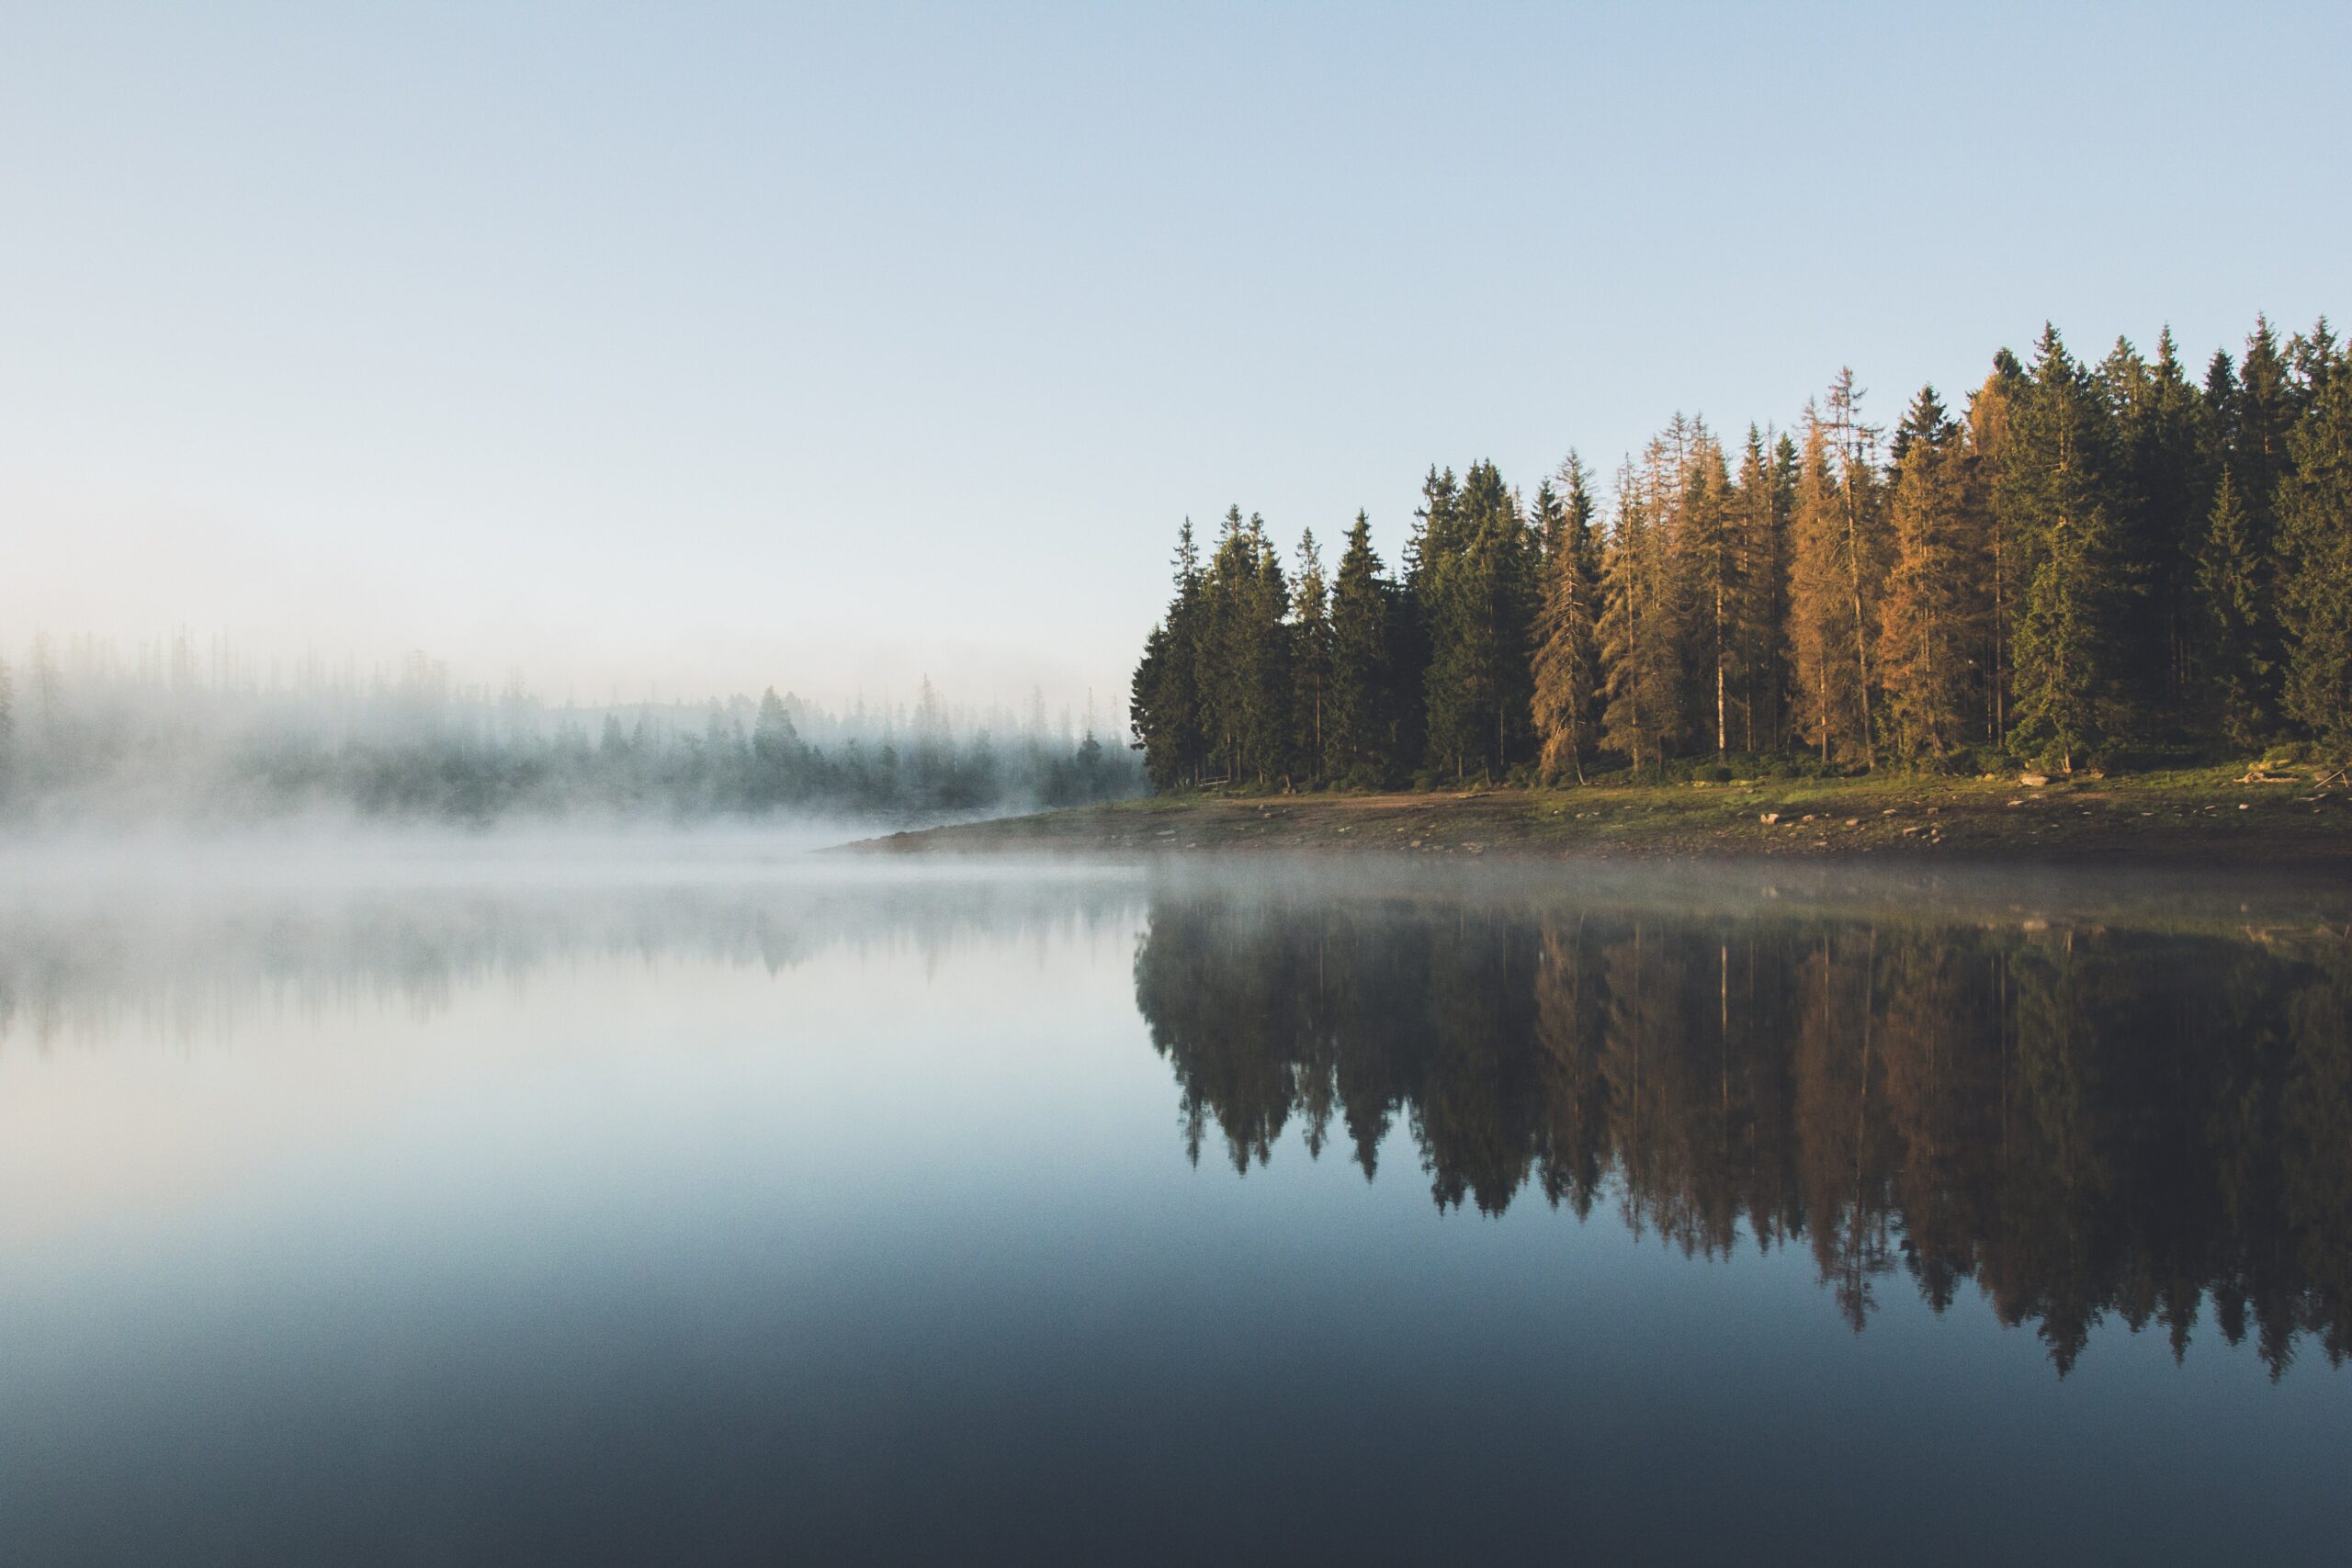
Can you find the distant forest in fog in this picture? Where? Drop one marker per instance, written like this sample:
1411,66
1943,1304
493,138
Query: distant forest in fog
86,734
2088,564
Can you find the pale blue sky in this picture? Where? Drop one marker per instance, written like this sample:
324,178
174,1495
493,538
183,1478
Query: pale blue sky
707,346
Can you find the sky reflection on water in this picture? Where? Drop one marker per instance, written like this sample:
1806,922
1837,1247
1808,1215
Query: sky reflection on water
1161,1216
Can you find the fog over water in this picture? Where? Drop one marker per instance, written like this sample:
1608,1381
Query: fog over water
531,1198
89,738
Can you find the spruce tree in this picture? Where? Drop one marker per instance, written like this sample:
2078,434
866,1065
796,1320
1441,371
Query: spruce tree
1760,506
2056,490
1641,712
1713,588
2315,538
2164,488
1479,592
1991,413
1565,631
1861,547
1924,617
1164,705
1823,702
1242,666
1356,731
2233,661
1310,660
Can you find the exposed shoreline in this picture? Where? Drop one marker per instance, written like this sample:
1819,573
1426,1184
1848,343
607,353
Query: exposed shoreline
2206,819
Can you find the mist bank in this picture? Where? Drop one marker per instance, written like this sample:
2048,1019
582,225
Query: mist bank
83,743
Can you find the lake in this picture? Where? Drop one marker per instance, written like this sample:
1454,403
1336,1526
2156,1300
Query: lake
731,1207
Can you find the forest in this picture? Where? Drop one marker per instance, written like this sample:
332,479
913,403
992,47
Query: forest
174,732
2084,567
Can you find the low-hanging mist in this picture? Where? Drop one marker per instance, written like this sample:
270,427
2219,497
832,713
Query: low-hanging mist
88,737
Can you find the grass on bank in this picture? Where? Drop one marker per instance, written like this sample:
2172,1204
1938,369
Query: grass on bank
2272,812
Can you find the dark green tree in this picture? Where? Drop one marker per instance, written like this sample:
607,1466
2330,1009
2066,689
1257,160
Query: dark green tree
1480,590
2057,497
1358,734
2233,663
1566,651
1164,705
1310,660
2315,552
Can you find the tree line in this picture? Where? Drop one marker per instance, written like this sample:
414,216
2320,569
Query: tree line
2084,1122
2085,565
92,742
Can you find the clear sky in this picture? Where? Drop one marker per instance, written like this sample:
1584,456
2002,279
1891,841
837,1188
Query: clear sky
692,347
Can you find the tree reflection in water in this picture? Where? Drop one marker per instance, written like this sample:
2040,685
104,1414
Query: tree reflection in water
2081,1120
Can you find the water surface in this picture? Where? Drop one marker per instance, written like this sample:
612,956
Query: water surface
799,1211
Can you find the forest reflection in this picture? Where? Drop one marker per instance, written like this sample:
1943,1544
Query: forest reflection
2079,1121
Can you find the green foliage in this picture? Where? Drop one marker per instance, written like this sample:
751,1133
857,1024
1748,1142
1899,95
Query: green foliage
1567,644
2315,588
2091,564
1242,664
1358,732
2233,663
2057,494
1641,713
1478,582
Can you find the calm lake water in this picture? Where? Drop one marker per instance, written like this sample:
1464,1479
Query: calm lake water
797,1211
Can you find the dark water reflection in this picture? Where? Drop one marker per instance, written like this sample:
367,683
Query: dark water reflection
2079,1121
833,1216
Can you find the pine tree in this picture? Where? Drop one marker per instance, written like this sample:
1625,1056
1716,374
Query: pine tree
1414,612
1860,544
2056,490
1310,660
1713,588
1821,698
2164,488
2315,586
1583,537
2233,665
1641,713
1242,669
779,757
1565,650
1990,409
1357,733
1925,631
1759,505
1480,593
1164,706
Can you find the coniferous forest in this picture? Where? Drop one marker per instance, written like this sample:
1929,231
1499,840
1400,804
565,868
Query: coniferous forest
2077,566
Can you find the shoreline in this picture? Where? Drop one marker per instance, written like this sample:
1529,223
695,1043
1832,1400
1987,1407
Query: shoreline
2157,820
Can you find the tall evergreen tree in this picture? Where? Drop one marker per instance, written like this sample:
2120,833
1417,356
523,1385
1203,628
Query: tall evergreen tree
2233,655
1641,712
1925,632
2315,538
1991,410
2057,491
1861,545
2163,489
1824,698
1242,670
1480,593
1759,505
1357,733
1310,660
1566,647
1164,705
1714,588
